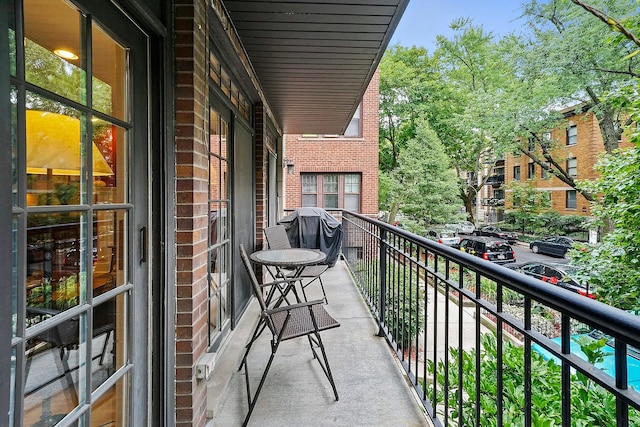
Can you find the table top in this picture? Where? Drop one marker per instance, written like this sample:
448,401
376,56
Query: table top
292,257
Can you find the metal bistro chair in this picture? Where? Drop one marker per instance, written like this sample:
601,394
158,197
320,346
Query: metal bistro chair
277,239
287,322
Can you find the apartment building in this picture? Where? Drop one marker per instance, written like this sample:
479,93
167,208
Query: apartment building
337,171
576,147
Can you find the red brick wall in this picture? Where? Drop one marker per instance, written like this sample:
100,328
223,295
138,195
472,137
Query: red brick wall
339,155
191,65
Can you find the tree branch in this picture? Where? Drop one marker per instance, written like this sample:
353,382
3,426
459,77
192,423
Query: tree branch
617,26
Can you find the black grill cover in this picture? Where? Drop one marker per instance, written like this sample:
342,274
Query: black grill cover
314,228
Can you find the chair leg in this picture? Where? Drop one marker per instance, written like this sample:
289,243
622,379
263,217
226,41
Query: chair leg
325,366
252,402
256,333
324,294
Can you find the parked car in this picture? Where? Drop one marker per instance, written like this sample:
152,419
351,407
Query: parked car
465,227
488,248
444,236
556,245
556,274
493,231
608,364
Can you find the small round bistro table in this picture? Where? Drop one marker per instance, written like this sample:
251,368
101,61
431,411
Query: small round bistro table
278,260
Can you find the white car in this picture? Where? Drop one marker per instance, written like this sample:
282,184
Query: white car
445,236
465,227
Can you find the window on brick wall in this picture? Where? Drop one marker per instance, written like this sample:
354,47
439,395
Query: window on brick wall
571,199
531,171
572,167
516,173
572,135
332,191
544,174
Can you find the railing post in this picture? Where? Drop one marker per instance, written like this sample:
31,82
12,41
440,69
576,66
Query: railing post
383,281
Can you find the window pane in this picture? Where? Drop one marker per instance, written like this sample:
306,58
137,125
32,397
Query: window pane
110,408
309,184
59,72
571,199
352,183
572,135
12,40
352,202
214,132
109,251
109,153
14,145
56,157
55,244
55,360
109,75
14,275
108,353
309,200
330,201
330,183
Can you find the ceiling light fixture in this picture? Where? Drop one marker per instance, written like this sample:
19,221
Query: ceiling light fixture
66,54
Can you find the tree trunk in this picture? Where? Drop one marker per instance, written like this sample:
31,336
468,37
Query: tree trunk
392,213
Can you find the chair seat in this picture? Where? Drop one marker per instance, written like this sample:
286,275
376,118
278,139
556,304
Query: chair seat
300,322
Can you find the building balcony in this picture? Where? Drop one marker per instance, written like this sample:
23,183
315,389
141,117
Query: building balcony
430,335
492,201
496,180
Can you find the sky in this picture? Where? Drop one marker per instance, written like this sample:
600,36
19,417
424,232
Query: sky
423,20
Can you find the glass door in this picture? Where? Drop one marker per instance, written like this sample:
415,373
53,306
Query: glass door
79,144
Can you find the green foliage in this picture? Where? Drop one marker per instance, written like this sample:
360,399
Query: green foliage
614,265
546,386
544,224
423,185
403,305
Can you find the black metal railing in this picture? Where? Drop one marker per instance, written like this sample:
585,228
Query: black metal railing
486,345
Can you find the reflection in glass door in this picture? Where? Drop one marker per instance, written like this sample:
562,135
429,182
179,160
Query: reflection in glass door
219,226
73,210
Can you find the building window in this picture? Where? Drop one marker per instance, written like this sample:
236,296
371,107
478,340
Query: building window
516,173
572,167
572,135
571,199
531,171
531,144
332,191
544,174
352,192
309,190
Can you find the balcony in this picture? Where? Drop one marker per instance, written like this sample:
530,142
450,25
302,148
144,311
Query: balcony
496,180
492,201
413,313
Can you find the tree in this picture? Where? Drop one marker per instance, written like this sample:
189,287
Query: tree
526,201
404,79
575,64
424,185
472,76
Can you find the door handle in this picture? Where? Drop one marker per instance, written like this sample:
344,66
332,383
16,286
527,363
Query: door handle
143,244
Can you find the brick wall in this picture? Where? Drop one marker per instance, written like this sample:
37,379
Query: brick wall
587,149
339,155
191,65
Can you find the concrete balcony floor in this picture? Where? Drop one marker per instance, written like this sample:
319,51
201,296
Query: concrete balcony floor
370,383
